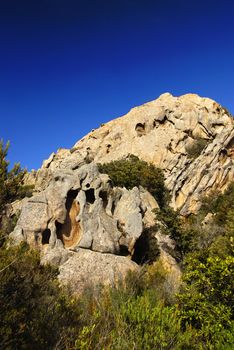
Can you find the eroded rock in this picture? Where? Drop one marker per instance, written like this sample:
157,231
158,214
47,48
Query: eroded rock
79,214
161,132
84,225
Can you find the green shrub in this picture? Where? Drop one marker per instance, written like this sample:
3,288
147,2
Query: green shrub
121,319
196,148
219,204
132,172
206,302
175,227
35,312
11,182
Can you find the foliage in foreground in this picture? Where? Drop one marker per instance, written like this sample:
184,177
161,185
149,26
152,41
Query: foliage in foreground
141,314
139,317
35,312
206,302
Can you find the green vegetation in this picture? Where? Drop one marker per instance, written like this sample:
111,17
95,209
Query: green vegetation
11,187
142,312
206,303
132,172
196,148
35,312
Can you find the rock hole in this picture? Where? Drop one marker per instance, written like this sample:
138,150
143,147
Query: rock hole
87,185
90,197
45,237
140,129
223,153
163,120
155,123
71,195
123,250
69,232
113,207
108,147
146,249
104,197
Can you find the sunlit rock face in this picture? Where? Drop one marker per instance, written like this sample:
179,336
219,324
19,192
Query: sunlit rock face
79,211
162,132
89,228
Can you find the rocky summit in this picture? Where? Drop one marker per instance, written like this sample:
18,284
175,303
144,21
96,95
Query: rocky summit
89,228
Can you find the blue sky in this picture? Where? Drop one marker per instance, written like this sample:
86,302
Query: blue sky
66,66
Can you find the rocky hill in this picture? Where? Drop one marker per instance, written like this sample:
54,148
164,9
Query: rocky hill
89,228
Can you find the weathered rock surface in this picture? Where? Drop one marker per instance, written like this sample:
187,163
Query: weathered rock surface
79,216
84,225
161,132
87,268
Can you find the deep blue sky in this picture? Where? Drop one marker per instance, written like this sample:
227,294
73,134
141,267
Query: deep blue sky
68,66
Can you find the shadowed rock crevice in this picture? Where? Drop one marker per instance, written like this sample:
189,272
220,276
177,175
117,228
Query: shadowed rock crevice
140,129
69,232
104,196
146,249
45,237
90,197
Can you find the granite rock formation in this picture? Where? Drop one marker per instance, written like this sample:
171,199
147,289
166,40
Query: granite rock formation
79,217
163,132
89,228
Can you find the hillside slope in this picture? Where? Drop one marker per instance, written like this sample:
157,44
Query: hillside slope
191,138
90,228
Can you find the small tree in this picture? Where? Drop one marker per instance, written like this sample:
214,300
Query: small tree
11,188
11,182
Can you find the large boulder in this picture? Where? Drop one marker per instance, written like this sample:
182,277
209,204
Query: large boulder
87,268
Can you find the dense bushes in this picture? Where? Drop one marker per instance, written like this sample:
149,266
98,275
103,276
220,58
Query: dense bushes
206,302
138,316
134,316
132,172
137,323
35,312
193,234
141,314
